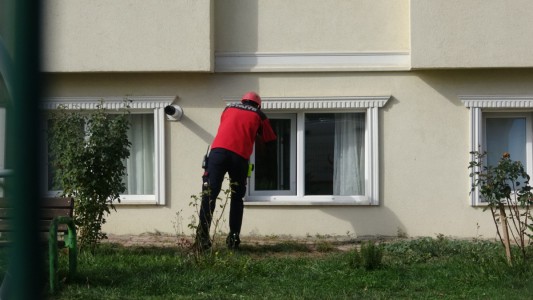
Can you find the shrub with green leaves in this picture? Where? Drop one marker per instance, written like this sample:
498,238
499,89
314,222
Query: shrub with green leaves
506,189
87,152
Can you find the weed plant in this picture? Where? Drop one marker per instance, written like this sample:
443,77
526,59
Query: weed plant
218,217
369,256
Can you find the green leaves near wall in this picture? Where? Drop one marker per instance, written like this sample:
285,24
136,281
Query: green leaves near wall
87,150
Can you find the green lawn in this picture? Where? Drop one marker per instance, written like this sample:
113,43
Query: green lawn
411,269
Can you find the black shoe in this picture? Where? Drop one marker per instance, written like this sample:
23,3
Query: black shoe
233,241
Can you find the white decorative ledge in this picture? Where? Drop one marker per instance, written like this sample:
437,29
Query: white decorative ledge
312,62
497,101
319,103
134,102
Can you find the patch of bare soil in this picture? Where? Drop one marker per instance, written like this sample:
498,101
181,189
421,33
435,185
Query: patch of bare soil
254,245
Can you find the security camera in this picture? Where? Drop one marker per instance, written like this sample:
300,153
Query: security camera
173,112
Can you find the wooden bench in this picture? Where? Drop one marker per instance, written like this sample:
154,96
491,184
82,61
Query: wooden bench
58,228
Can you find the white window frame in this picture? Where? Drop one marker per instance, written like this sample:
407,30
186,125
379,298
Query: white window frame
138,104
505,106
301,105
292,191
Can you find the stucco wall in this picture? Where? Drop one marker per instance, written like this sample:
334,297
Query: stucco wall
124,35
127,35
470,34
424,144
311,25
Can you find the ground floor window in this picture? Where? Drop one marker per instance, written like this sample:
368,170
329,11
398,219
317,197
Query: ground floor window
145,179
326,152
501,124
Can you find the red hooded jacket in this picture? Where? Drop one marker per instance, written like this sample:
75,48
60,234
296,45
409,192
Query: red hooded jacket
239,126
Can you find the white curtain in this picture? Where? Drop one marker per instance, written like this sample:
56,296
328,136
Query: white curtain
140,164
349,151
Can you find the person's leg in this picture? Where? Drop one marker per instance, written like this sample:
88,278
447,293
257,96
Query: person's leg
212,183
238,174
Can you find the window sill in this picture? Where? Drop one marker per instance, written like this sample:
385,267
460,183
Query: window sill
136,202
307,203
130,200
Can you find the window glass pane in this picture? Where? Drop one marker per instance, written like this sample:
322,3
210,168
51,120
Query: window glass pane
506,135
140,164
334,154
272,160
319,142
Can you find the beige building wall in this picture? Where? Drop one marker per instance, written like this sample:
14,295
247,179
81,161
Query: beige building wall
124,35
311,35
311,26
471,34
120,49
423,140
128,35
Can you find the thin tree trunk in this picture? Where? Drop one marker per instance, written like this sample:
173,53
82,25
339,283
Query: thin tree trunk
505,230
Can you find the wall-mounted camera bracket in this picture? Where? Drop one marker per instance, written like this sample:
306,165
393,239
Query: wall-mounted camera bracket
173,112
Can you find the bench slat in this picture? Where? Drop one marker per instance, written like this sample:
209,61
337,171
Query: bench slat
45,203
44,226
57,202
47,214
50,208
51,213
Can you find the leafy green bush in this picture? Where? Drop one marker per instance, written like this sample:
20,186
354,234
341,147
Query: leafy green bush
87,152
506,189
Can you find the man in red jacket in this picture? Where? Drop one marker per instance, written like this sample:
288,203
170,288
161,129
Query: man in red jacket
240,125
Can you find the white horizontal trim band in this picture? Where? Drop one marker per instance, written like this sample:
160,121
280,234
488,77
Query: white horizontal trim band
134,102
310,103
309,62
497,101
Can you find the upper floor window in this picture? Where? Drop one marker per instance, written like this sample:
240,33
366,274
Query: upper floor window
145,179
326,152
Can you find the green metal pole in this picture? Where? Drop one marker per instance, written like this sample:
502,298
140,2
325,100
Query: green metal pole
23,142
70,243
